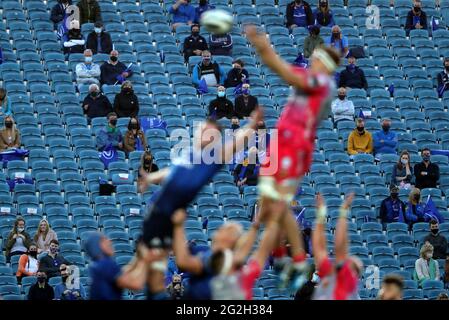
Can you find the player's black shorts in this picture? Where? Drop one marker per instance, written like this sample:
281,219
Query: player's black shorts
157,229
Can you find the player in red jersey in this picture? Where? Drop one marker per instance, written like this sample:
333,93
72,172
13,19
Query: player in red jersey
338,281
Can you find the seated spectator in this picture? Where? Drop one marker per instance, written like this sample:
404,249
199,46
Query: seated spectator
110,135
299,14
41,290
338,41
427,173
176,289
237,75
245,103
28,263
221,107
89,11
402,172
87,72
58,12
18,240
437,240
96,104
246,173
323,15
43,237
99,41
52,261
352,76
235,123
194,45
183,13
113,71
416,18
392,287
360,140
9,135
134,139
74,39
220,44
342,108
209,70
203,6
426,267
147,165
443,78
126,103
5,103
66,290
392,207
415,209
385,140
312,41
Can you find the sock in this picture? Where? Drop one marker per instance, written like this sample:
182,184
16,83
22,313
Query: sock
301,257
343,213
279,252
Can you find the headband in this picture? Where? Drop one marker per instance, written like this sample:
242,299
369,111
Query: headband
324,57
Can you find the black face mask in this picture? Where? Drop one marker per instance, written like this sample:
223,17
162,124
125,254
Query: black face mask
148,162
323,5
385,128
133,126
195,33
114,58
33,253
262,126
417,9
94,94
360,129
445,67
8,124
64,279
335,35
394,195
42,279
113,122
341,96
234,126
435,231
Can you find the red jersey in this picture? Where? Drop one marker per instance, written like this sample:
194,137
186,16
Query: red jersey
248,277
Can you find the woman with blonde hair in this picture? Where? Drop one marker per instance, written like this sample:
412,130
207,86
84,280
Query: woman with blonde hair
415,209
426,268
44,235
9,135
323,15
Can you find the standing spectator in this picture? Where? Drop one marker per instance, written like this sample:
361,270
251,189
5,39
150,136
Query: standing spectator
427,173
312,41
385,140
183,13
392,287
44,236
41,290
58,12
220,44
126,103
437,240
426,268
89,11
342,108
209,70
323,15
53,260
68,291
134,138
352,76
114,70
28,263
360,140
247,173
9,135
96,104
147,165
299,14
402,172
18,240
202,7
338,41
415,209
221,107
416,18
237,75
87,72
5,103
110,135
245,103
443,78
99,41
392,207
74,39
195,44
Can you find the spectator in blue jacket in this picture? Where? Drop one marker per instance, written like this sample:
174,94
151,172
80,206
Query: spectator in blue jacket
183,13
212,73
58,12
68,289
203,7
392,207
323,15
352,76
416,18
298,14
110,135
220,44
415,209
385,140
338,41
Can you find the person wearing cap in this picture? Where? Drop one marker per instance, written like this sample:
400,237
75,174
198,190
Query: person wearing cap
89,11
392,207
75,42
338,41
360,140
352,76
323,15
385,140
99,41
312,41
342,108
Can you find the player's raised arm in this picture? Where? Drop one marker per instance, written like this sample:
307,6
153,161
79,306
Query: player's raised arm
341,232
318,235
153,178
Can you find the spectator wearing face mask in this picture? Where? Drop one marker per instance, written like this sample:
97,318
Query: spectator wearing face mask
99,41
416,18
89,11
5,103
427,173
360,140
209,71
41,290
312,41
203,6
221,107
194,45
299,14
9,135
443,79
134,139
342,108
220,44
53,260
392,208
112,69
392,287
183,13
245,103
96,104
43,237
74,39
18,240
126,103
426,267
352,76
67,290
147,165
58,12
175,288
323,15
437,240
110,135
237,75
28,263
87,72
235,123
402,172
415,209
338,41
247,172
385,140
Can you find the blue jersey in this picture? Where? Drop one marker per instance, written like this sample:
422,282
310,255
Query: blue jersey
104,274
199,284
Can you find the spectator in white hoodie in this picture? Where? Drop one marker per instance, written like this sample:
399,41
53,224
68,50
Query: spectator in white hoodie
342,108
87,72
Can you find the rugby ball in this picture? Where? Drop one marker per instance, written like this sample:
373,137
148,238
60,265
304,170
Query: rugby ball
217,21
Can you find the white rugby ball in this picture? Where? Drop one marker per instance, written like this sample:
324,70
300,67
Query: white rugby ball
217,21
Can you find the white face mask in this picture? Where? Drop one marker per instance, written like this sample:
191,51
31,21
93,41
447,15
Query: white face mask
20,229
404,161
